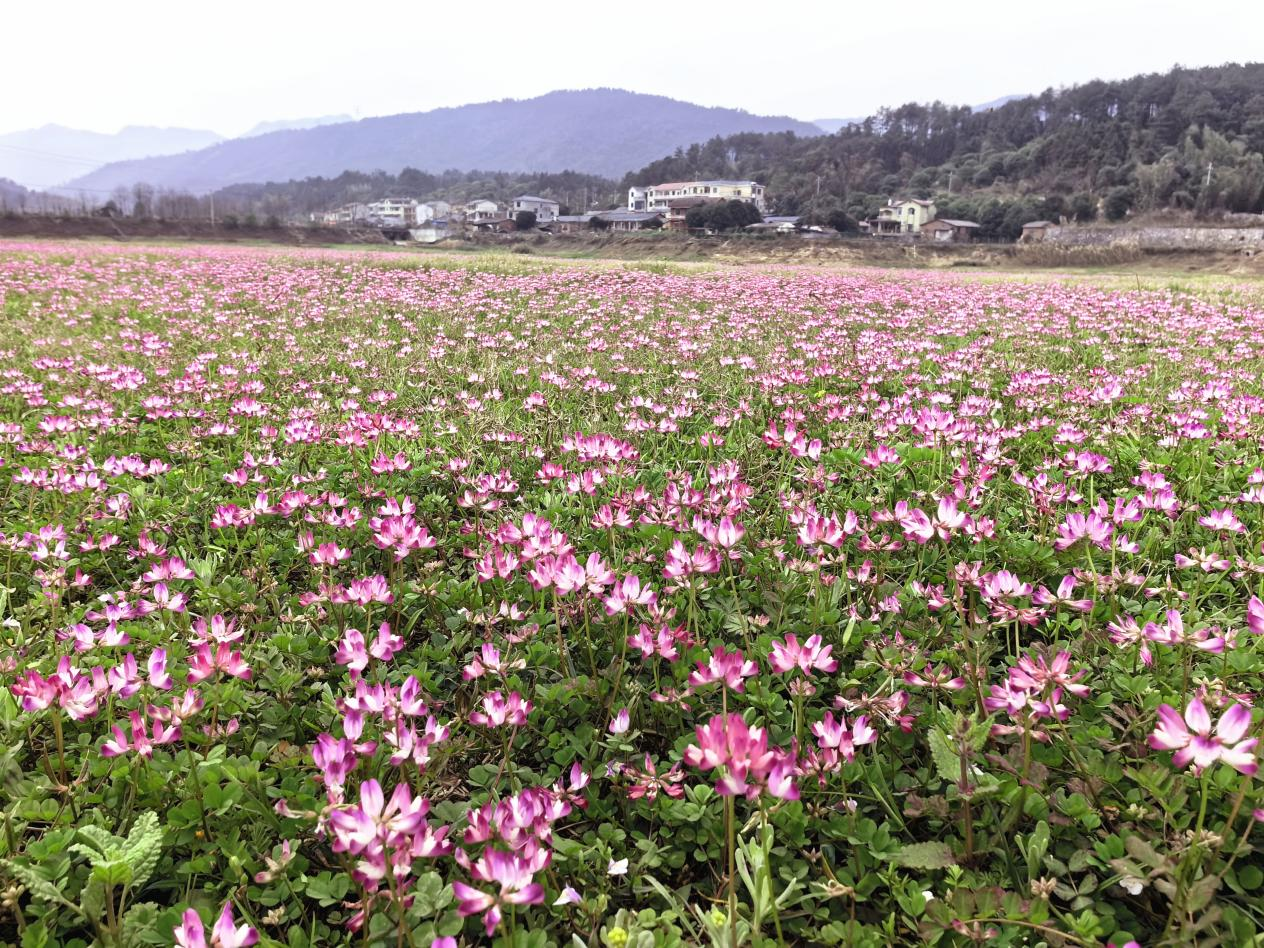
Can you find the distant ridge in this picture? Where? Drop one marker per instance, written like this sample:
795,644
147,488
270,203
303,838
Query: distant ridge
597,131
52,154
285,125
833,125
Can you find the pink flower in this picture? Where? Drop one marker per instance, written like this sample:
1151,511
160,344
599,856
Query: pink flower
681,564
513,872
627,593
1063,597
203,663
328,554
499,710
621,722
936,678
157,666
1079,527
190,933
789,654
743,754
838,736
1196,746
728,667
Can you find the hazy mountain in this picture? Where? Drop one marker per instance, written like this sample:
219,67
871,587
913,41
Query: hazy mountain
830,126
53,154
996,103
598,131
12,194
286,125
833,125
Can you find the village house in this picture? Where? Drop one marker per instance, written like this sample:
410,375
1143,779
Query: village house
394,212
482,210
657,197
430,231
569,223
629,220
433,211
901,217
345,215
777,224
1036,231
678,210
945,230
492,225
544,209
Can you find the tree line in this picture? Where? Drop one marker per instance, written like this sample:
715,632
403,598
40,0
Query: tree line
1187,139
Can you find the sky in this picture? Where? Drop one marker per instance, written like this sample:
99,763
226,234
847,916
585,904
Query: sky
229,65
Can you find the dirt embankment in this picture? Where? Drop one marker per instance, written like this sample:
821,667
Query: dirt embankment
871,252
729,250
60,228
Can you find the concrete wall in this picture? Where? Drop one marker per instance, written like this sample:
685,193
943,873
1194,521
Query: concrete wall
1156,237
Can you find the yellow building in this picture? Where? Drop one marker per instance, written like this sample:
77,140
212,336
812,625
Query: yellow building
901,217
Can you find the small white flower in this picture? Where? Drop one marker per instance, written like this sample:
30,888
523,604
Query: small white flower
568,897
621,721
617,867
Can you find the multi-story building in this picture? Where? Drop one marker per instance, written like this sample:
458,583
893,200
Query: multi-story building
347,214
396,211
433,211
544,209
901,217
658,197
483,210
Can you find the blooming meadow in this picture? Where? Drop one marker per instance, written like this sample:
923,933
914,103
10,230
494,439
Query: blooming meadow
352,602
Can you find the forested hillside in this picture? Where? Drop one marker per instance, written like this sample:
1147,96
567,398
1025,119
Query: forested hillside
595,131
1140,144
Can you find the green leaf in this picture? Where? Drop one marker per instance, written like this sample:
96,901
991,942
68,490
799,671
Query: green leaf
100,839
140,924
36,884
113,872
92,899
35,936
143,847
928,855
947,761
1037,846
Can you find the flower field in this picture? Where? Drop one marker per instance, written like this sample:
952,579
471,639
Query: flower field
353,601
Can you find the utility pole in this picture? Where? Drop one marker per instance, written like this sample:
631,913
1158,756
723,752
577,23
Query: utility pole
1207,183
950,174
212,208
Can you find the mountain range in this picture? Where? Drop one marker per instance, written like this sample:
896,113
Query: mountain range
830,126
596,131
52,154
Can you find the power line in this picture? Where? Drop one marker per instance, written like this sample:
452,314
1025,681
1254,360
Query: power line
95,162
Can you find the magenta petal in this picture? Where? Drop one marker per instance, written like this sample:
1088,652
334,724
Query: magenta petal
1197,718
1234,724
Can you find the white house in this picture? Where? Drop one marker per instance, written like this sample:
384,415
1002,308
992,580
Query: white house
433,211
396,211
430,231
347,214
658,197
544,209
482,210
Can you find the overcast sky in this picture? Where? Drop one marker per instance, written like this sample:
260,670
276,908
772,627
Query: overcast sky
228,65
